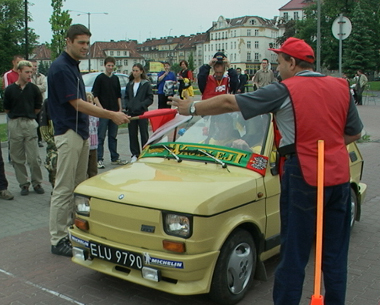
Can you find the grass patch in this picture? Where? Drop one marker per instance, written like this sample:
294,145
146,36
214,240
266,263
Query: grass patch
375,86
3,133
364,139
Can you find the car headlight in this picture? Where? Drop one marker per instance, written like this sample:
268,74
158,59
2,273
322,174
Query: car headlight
178,225
82,205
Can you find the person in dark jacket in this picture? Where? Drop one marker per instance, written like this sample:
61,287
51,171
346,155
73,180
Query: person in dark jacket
138,97
220,82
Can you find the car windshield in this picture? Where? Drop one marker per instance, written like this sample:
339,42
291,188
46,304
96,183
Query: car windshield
228,130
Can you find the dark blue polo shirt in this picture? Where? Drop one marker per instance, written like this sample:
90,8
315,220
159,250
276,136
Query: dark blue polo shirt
65,84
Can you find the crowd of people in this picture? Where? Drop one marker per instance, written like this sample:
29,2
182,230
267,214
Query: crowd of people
74,125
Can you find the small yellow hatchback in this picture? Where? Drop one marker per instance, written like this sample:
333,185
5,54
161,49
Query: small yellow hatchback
197,213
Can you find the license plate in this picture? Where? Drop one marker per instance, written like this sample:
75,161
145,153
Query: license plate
117,256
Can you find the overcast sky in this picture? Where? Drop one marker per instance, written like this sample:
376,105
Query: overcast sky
140,20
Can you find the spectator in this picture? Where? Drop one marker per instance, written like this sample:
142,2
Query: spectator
40,81
92,169
107,95
138,97
243,79
12,75
361,82
165,87
264,76
22,102
69,112
185,77
47,133
218,83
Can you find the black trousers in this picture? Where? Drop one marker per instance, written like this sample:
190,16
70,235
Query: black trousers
3,179
133,128
162,101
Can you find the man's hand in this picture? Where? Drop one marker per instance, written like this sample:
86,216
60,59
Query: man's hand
119,118
183,106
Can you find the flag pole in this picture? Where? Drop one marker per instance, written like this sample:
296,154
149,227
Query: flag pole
317,298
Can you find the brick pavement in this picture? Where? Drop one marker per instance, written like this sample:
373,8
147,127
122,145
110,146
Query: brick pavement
29,274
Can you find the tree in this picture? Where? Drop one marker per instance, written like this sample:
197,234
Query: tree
60,22
191,61
12,32
361,49
43,68
290,31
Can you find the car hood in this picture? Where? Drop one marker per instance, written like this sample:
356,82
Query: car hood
189,187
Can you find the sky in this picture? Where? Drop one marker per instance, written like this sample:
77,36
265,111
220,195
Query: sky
140,20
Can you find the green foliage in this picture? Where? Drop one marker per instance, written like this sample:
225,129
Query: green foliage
60,22
12,32
360,48
43,68
176,68
191,62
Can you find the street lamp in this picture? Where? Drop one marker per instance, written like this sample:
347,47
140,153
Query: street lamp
89,25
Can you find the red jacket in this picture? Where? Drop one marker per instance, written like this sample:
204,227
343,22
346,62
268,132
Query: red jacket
214,87
320,113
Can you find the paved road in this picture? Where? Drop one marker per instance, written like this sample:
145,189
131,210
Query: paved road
29,274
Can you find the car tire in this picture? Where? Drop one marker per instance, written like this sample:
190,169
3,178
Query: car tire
235,268
354,208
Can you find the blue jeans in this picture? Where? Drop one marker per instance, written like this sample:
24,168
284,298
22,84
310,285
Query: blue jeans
298,227
105,124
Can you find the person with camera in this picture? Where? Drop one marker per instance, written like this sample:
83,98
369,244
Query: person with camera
185,77
219,82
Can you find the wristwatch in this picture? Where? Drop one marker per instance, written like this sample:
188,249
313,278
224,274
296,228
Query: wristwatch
192,108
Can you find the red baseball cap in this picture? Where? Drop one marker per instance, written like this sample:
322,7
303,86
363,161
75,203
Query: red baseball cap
296,48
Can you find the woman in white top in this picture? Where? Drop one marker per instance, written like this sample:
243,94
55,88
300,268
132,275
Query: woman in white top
138,97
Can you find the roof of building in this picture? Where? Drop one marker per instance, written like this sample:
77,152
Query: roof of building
296,5
241,20
98,48
41,52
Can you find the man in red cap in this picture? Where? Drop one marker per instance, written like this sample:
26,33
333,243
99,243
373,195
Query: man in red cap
308,107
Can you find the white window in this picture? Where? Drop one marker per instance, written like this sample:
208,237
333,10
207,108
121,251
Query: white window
249,56
256,32
253,21
256,44
118,53
248,44
286,16
125,62
248,32
256,56
111,53
295,16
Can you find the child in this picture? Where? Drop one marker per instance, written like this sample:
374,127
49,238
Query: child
92,169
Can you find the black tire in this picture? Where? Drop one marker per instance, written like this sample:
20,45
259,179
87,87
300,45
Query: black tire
235,268
354,208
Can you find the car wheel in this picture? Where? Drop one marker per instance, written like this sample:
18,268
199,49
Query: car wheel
354,208
234,269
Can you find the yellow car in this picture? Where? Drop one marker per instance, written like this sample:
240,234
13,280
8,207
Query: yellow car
197,213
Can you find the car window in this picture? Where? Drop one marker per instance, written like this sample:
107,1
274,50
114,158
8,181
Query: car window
229,130
123,80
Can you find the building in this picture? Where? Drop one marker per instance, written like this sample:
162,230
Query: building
294,9
244,40
124,52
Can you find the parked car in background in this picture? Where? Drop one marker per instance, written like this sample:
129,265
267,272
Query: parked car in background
89,80
197,213
153,78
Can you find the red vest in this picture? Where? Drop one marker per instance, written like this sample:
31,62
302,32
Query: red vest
320,113
214,87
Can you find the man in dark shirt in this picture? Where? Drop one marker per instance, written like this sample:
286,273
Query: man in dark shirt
69,112
22,102
243,79
107,94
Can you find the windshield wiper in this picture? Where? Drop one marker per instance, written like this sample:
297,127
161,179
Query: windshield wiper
169,149
224,165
